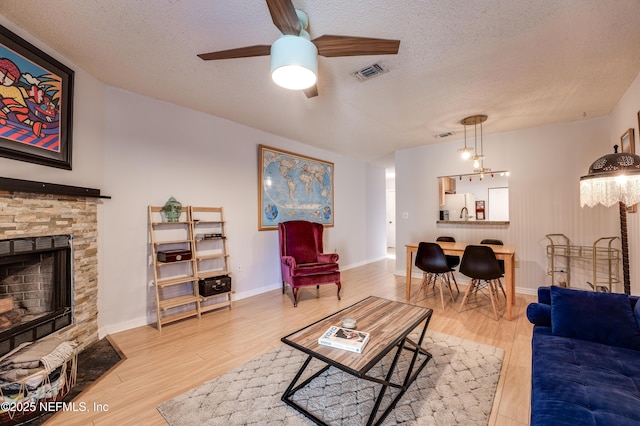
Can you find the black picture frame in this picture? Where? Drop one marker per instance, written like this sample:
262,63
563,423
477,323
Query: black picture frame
37,128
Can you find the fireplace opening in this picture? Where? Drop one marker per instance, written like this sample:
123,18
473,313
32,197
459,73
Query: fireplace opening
35,288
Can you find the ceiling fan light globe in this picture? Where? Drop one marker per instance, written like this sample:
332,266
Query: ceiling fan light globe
293,77
294,62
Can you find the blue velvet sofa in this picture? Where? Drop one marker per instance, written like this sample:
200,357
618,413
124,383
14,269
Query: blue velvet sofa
586,358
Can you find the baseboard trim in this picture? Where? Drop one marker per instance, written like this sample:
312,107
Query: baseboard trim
144,321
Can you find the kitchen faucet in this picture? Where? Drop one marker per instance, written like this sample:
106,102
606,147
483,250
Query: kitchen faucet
464,212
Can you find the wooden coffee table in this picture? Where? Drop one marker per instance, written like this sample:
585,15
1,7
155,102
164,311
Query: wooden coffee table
389,323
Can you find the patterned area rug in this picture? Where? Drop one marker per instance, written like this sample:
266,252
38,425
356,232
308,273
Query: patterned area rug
456,387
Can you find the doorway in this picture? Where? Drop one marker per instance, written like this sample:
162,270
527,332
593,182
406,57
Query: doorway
391,212
391,219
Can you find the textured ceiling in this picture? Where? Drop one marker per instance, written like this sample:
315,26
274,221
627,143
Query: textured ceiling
524,63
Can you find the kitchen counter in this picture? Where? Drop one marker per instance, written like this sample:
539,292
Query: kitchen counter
473,222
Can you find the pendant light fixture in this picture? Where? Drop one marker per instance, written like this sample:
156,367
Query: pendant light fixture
465,152
478,157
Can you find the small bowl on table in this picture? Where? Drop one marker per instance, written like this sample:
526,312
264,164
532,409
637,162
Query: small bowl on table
349,323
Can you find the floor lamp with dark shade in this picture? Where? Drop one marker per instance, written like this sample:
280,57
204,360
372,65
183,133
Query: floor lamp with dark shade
614,178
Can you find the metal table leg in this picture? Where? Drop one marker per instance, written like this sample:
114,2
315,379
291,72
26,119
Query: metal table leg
410,376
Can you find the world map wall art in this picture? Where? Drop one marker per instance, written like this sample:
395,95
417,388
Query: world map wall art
36,99
293,187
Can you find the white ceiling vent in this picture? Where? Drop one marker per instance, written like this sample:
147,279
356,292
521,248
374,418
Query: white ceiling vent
371,71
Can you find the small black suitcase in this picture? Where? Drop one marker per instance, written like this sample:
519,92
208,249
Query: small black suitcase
214,285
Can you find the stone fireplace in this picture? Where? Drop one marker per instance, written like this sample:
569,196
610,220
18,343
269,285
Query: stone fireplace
48,223
35,288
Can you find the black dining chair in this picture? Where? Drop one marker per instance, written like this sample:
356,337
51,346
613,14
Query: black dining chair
500,262
480,264
432,261
452,261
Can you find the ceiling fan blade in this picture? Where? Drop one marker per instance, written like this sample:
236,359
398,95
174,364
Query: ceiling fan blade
312,91
284,16
335,45
241,52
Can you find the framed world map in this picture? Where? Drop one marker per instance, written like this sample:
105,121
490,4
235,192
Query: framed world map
293,187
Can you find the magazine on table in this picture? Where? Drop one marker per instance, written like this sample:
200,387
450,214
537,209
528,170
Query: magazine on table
344,338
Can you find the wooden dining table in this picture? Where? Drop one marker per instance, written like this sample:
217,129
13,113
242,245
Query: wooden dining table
505,253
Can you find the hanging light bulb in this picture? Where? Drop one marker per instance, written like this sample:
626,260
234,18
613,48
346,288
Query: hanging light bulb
465,152
478,158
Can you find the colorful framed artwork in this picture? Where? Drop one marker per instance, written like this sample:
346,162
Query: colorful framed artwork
293,187
36,102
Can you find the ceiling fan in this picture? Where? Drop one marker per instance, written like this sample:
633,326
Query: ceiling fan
294,56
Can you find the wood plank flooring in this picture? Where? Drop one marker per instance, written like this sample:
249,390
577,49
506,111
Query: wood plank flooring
161,365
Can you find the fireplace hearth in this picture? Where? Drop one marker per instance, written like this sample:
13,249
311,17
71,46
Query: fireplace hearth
36,287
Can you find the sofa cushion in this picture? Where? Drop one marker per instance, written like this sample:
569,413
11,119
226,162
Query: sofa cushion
636,311
539,314
578,382
544,295
598,317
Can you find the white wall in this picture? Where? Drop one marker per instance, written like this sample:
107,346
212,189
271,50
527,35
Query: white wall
545,165
154,150
623,117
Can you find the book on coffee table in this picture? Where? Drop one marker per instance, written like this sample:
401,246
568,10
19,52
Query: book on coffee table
344,338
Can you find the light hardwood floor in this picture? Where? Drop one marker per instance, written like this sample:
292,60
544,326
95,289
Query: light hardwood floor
161,365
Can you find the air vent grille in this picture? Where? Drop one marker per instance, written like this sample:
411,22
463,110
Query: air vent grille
443,135
371,71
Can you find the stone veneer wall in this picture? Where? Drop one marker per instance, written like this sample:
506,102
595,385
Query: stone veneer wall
32,215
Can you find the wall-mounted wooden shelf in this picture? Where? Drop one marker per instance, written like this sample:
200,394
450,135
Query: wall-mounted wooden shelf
20,185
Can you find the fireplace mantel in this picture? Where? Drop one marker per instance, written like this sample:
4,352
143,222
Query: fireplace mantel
19,185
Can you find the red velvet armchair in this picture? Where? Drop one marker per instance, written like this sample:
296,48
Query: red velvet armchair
301,258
